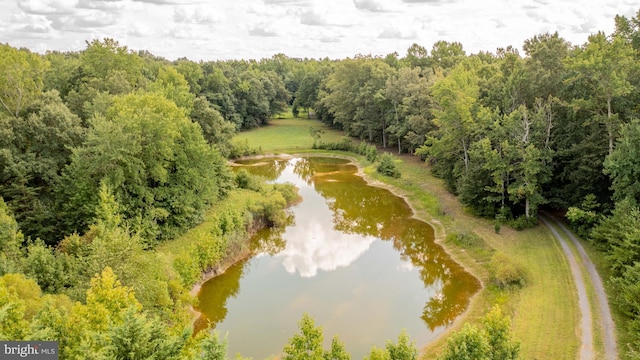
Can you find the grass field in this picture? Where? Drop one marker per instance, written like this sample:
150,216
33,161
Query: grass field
286,134
544,312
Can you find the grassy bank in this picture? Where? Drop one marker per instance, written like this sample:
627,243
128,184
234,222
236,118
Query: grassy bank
544,311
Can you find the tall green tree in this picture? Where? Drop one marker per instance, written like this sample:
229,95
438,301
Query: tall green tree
35,150
307,344
455,117
602,67
157,162
623,164
409,92
21,78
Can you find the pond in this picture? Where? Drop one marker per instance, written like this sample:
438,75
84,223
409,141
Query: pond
353,258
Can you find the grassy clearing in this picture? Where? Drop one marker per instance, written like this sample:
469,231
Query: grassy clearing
286,134
545,312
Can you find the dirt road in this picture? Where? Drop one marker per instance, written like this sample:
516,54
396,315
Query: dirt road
604,313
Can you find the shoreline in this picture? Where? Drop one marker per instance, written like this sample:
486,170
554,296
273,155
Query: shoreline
422,215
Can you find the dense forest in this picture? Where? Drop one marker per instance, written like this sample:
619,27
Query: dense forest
107,155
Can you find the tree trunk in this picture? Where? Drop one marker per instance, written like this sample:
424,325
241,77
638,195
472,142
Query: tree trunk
384,133
609,124
526,207
466,156
399,146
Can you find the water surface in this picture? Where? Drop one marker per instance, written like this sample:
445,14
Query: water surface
354,258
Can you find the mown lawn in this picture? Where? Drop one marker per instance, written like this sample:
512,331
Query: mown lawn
287,134
544,312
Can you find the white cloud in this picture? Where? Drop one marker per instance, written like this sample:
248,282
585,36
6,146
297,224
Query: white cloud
141,30
304,28
310,249
395,33
370,5
196,15
47,6
260,30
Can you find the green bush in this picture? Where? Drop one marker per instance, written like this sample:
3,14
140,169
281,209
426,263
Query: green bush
492,341
368,150
239,149
387,166
343,145
465,239
244,180
505,273
522,222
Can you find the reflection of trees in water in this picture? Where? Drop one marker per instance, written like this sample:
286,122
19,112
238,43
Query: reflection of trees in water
368,211
215,293
308,168
453,286
373,211
361,209
271,169
269,240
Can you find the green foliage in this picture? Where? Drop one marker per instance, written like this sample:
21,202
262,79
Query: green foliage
343,145
504,272
337,351
387,166
523,222
34,152
138,337
10,241
491,342
470,343
12,323
465,239
215,129
582,219
42,265
159,166
618,236
365,149
403,349
307,345
213,348
244,180
238,149
623,165
21,78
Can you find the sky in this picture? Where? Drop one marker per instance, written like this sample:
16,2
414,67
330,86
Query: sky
254,29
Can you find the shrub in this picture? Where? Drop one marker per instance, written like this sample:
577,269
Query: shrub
522,222
492,341
368,150
245,180
465,239
343,145
387,166
504,272
241,148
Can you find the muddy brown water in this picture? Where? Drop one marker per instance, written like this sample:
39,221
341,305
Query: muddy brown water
353,257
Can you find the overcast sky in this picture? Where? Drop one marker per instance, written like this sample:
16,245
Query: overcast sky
253,29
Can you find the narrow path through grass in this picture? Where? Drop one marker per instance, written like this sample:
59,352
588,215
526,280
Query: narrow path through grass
608,328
